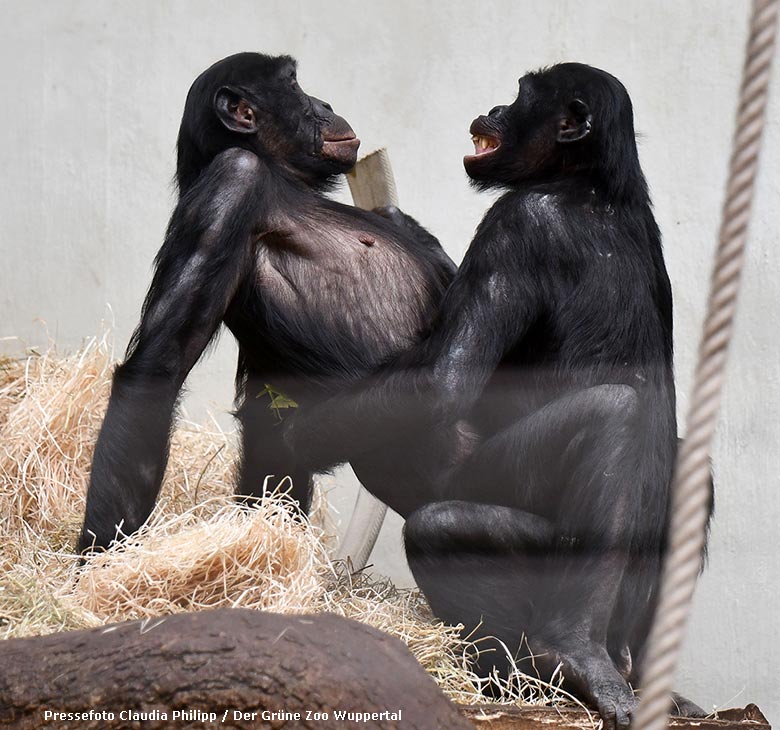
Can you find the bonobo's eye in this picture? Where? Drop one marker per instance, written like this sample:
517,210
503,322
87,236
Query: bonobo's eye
292,77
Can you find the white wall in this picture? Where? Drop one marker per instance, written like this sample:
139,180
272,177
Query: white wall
92,93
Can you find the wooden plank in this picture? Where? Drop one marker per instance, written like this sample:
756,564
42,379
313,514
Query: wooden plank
371,181
503,717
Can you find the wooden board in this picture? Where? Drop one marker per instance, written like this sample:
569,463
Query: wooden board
371,181
501,717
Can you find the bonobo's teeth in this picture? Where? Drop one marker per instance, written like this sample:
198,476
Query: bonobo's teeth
482,144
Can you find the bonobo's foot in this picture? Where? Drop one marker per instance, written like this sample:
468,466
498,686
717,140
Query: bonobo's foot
683,707
616,704
98,540
592,673
88,545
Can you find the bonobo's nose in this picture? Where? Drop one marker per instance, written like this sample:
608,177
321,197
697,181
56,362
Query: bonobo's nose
321,108
496,110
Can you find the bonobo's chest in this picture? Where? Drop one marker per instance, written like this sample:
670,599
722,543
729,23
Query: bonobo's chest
346,279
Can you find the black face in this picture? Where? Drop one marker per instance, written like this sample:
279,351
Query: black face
550,130
254,101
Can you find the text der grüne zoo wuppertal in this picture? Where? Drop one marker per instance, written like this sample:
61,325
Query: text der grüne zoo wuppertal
228,716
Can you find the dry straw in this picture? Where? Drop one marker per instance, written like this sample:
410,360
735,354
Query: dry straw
199,550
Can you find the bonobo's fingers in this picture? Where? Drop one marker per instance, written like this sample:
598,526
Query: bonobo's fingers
392,213
387,211
397,217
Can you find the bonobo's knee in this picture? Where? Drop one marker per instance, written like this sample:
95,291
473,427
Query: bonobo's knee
614,403
434,527
475,528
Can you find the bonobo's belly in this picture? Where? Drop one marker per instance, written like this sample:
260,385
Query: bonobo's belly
350,296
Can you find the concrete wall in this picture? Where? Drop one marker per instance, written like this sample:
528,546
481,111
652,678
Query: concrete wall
92,93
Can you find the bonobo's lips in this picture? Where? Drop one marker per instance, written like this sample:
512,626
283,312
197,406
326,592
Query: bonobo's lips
340,146
485,140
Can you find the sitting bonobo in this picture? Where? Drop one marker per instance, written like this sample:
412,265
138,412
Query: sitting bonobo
316,293
541,407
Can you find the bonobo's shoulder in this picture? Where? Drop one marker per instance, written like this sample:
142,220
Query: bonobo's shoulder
531,202
225,185
521,208
545,206
519,222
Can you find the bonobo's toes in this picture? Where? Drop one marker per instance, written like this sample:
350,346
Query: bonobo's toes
247,501
683,707
593,674
616,706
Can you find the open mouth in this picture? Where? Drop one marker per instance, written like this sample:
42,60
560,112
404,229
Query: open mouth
486,141
484,145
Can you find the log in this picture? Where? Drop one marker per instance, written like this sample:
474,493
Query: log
227,668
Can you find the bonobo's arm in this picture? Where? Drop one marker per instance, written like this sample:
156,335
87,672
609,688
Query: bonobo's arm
489,306
198,270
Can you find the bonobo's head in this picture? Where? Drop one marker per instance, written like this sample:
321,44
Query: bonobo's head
254,102
570,120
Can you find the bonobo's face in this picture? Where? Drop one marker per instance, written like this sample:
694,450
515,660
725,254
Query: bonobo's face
532,138
296,129
260,105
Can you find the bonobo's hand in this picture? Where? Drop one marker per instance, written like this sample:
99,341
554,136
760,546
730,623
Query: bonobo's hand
420,234
392,213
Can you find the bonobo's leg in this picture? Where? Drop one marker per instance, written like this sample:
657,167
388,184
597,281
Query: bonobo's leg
499,571
481,565
265,459
573,463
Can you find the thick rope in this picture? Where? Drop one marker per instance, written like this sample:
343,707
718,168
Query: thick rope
690,495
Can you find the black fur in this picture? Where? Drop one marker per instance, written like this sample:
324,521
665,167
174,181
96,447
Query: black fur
531,437
317,293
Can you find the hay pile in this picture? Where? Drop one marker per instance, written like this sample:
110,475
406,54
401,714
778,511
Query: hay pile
198,551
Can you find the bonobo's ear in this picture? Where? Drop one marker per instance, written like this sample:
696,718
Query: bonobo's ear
575,124
234,111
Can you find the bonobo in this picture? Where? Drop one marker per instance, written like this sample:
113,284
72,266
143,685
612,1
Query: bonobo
316,293
537,503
